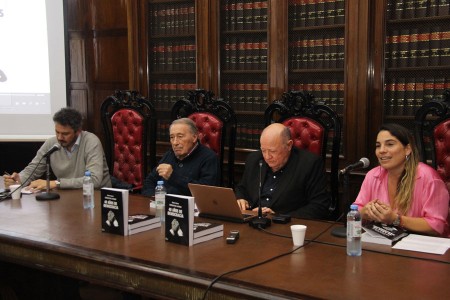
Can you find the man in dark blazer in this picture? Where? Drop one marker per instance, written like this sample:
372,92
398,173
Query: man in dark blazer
292,180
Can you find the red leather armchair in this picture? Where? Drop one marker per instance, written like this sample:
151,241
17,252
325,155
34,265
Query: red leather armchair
314,127
432,131
130,131
216,123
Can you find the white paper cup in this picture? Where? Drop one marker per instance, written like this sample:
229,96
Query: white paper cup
298,234
16,190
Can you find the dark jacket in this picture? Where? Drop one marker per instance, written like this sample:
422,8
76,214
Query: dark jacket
302,190
201,166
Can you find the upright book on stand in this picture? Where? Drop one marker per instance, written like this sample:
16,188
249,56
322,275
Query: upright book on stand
114,206
115,218
180,222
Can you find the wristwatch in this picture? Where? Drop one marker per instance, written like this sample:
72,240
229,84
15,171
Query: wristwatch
397,221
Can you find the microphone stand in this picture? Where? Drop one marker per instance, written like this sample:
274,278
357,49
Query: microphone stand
260,222
47,195
342,231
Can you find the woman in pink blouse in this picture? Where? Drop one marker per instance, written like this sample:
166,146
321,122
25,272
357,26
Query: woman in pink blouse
403,191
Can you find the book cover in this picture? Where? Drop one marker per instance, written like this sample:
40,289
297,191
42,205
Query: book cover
390,232
114,207
179,222
375,238
201,229
208,237
144,228
139,220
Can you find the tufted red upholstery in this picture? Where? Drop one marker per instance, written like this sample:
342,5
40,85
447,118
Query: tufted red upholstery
127,126
306,134
130,138
442,150
209,129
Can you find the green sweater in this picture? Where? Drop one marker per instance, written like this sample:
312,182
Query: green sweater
70,171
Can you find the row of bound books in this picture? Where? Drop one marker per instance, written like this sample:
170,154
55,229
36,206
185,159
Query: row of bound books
166,92
247,135
172,19
247,53
244,15
327,91
403,96
316,12
245,96
409,9
173,56
416,47
326,52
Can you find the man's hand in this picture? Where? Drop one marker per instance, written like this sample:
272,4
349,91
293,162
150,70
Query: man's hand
40,184
265,210
11,179
164,170
243,204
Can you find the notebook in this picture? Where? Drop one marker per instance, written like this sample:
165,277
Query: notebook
218,203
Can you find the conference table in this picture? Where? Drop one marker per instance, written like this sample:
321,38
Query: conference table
61,237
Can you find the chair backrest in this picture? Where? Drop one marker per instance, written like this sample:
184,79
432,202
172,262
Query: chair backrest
314,127
432,133
216,123
130,131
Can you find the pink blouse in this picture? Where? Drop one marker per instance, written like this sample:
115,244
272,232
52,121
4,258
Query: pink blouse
430,198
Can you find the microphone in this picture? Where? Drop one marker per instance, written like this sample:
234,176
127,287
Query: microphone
54,148
260,222
47,195
361,164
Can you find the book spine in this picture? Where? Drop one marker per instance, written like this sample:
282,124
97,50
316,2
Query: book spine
421,8
445,48
413,47
410,101
435,41
340,12
409,7
239,15
428,90
248,15
395,39
444,7
403,48
329,12
257,18
423,47
432,8
320,12
398,10
311,13
418,93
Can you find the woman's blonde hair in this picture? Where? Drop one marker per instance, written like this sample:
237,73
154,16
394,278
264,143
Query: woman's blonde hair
405,188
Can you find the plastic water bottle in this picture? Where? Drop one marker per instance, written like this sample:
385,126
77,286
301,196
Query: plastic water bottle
88,191
160,199
353,231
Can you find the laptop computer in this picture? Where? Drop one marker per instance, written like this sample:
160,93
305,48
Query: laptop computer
217,202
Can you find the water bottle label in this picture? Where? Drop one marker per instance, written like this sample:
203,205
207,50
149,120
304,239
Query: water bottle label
354,229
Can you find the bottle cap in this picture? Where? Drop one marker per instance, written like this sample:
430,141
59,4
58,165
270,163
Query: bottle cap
87,173
160,182
354,206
